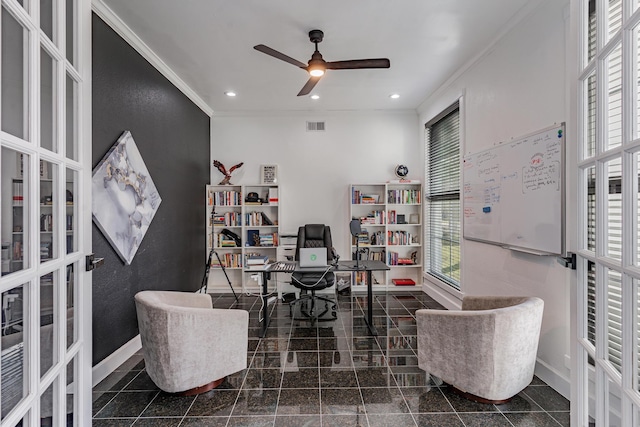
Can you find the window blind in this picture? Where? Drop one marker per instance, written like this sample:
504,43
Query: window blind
442,207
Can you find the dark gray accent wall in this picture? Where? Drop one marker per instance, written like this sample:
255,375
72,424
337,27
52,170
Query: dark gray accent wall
172,134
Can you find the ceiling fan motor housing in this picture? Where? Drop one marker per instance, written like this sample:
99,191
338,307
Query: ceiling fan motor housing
316,36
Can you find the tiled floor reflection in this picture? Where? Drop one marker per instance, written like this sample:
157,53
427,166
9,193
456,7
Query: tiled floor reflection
329,374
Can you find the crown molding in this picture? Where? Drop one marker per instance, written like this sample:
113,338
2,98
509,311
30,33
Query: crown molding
123,30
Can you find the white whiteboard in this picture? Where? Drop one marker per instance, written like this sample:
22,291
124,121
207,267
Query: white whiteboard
513,193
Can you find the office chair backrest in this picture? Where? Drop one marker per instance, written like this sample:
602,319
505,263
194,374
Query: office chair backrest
314,236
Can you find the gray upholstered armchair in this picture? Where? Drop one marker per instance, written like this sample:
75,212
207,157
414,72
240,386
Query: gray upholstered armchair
188,346
487,351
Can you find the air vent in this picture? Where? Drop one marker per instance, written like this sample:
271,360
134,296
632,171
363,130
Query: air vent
315,126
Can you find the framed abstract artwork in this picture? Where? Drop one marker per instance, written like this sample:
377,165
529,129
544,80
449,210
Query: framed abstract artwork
125,199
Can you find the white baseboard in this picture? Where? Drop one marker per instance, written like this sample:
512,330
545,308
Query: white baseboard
553,379
114,360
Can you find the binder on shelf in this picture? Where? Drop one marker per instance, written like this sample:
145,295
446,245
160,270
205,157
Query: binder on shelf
403,282
273,196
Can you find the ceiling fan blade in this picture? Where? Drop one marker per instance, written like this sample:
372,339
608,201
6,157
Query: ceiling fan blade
272,52
359,63
309,85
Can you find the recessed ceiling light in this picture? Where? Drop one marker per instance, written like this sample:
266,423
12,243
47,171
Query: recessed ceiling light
394,96
230,93
315,96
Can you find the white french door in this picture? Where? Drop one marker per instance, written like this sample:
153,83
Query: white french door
608,297
45,175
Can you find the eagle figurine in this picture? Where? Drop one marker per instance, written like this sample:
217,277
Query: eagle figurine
227,174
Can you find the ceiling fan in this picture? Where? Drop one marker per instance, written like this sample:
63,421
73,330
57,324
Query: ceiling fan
317,66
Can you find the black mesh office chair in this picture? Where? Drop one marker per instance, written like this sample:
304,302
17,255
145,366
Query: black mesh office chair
314,236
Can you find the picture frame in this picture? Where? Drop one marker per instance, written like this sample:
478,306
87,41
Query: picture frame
268,174
414,218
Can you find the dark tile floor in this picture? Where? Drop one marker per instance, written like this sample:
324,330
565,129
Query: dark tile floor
329,374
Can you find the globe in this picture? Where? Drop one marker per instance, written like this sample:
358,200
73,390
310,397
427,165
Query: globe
402,171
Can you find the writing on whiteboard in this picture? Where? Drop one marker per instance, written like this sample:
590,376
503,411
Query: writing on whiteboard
535,178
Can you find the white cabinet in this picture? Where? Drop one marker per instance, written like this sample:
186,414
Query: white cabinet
391,218
238,227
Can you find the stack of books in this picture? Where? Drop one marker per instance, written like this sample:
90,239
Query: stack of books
256,261
268,239
369,199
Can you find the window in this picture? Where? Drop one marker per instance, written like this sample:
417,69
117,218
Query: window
442,187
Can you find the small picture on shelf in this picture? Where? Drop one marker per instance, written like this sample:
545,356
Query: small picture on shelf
268,174
414,218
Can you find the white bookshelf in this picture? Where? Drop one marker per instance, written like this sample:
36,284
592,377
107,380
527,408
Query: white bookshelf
245,220
391,219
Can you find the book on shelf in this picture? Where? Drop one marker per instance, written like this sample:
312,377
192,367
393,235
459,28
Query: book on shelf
405,261
403,282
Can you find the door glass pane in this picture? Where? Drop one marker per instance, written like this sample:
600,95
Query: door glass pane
13,381
614,208
636,209
46,17
71,272
71,118
72,391
591,30
14,89
48,333
615,16
636,76
71,211
614,98
591,303
48,200
14,211
590,119
46,407
615,406
614,318
47,101
71,31
591,208
636,345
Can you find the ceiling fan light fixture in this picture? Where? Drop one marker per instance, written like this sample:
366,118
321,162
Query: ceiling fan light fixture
316,71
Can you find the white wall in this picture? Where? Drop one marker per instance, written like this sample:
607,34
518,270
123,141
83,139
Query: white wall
316,168
516,88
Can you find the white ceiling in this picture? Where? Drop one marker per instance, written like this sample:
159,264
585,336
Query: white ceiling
209,44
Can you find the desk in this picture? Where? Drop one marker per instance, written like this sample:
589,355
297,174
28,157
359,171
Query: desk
288,267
